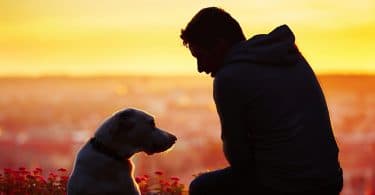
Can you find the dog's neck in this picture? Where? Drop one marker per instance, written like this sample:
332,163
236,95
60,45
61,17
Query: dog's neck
99,146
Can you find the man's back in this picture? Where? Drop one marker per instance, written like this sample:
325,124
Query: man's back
272,108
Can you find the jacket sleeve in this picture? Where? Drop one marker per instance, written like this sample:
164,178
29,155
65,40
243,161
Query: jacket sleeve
231,107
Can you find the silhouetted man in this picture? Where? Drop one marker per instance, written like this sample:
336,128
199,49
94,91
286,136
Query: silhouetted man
275,125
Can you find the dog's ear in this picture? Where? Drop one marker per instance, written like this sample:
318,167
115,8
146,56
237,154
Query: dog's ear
124,121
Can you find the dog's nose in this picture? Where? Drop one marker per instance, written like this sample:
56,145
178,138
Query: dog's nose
173,138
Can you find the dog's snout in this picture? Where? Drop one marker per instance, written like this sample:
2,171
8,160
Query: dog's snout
173,138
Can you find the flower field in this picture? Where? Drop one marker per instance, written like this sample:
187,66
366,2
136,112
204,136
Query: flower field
32,182
22,181
160,184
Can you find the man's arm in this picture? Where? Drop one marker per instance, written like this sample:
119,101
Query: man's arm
231,107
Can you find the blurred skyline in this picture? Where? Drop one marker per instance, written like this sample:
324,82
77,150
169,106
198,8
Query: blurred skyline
81,37
45,121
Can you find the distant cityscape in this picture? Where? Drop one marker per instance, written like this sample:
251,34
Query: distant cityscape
44,121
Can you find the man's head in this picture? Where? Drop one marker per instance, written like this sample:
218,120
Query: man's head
209,35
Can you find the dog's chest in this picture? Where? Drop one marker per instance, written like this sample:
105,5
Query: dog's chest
100,173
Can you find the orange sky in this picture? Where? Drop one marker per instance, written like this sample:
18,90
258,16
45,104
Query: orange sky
82,37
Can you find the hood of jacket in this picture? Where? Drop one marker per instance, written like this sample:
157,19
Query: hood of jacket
275,48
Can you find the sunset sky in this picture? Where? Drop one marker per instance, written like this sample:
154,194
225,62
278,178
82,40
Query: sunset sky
92,37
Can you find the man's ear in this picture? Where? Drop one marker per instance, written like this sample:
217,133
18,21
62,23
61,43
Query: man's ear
124,121
221,45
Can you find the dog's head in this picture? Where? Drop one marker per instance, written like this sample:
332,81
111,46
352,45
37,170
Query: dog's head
135,130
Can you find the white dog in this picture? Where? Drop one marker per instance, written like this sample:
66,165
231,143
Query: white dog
103,165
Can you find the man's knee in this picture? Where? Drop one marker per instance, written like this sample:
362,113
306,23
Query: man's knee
213,182
196,186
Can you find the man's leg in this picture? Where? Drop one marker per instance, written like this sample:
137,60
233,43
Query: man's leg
217,182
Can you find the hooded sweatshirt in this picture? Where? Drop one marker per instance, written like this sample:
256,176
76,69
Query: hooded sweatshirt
275,125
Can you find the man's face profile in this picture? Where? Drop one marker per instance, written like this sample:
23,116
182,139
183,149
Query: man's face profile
207,60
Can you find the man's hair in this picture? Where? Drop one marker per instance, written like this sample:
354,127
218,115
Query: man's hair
210,25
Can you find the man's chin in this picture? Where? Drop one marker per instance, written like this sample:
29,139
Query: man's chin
211,74
205,71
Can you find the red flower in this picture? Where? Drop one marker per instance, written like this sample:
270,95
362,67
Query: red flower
64,178
30,176
138,179
175,178
22,168
25,172
8,170
62,170
158,172
52,174
42,180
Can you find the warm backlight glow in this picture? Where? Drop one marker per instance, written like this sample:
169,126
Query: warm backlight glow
81,37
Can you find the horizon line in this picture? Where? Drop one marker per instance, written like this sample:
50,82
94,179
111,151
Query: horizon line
151,75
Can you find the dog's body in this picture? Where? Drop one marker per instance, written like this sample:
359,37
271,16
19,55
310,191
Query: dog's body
103,165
